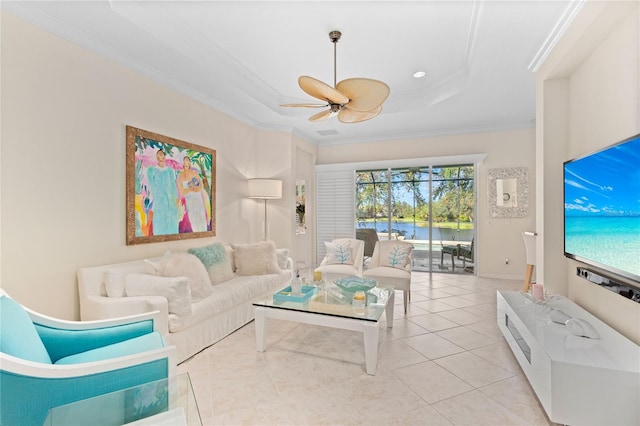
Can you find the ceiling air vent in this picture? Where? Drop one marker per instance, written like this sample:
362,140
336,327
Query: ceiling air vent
327,132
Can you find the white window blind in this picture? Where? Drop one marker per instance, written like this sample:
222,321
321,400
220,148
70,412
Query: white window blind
336,201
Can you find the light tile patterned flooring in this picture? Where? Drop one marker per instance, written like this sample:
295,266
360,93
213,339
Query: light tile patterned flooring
443,363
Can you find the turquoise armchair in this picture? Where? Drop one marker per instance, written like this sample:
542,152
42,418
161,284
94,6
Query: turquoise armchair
47,362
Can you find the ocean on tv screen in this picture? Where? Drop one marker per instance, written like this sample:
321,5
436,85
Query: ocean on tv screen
602,206
612,241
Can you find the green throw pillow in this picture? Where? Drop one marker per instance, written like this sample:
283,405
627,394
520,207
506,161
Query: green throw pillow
216,260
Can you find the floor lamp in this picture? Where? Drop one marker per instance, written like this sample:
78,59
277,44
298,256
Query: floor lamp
265,189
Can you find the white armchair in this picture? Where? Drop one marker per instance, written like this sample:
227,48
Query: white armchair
391,264
345,256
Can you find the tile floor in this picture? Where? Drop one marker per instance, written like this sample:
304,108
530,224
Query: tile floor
443,363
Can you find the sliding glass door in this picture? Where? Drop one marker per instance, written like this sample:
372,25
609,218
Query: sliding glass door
432,207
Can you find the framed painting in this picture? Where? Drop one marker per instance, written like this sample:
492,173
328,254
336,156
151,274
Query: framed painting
171,188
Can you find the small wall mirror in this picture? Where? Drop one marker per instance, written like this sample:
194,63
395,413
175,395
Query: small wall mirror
508,192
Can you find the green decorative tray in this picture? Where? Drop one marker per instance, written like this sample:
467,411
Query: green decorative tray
286,295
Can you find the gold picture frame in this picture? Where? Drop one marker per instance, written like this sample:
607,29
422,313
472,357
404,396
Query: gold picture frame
170,187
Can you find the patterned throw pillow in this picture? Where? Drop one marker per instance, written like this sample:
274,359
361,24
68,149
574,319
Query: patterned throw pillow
394,254
216,259
339,253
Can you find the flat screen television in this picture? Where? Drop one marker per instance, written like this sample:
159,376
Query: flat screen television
602,209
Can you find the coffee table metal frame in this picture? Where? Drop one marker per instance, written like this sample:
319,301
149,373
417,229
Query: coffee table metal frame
369,327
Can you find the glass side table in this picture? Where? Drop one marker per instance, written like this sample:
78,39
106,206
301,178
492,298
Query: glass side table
163,402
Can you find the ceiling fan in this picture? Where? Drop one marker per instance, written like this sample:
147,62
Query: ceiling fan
353,100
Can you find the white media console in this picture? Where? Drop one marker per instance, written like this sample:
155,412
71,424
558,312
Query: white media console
578,380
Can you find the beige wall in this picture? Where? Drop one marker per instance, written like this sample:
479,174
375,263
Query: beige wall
305,160
497,239
64,112
588,98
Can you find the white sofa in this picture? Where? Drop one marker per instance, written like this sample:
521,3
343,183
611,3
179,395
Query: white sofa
227,308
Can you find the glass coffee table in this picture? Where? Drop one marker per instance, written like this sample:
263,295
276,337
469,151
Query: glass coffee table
169,402
331,307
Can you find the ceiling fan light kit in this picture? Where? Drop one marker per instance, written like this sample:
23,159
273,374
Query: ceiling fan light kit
353,100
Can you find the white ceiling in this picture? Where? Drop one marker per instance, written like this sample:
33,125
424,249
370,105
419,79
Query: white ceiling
244,57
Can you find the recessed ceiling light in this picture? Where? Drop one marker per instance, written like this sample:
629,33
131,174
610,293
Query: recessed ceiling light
419,74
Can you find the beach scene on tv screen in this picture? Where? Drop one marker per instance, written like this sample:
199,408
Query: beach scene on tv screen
602,207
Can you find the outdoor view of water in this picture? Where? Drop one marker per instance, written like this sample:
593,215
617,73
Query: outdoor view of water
420,232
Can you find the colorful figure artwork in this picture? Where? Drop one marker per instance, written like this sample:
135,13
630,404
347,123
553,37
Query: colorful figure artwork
171,188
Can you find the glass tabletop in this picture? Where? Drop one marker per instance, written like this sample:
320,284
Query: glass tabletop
329,299
163,402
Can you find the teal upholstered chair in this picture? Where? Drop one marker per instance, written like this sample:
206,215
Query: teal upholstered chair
46,362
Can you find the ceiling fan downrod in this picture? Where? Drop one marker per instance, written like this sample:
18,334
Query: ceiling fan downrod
334,36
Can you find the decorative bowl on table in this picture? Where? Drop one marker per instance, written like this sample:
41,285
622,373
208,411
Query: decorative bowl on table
352,284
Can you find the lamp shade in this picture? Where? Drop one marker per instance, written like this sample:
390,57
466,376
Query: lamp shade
265,189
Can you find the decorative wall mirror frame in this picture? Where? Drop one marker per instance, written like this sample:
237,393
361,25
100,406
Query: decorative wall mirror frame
508,192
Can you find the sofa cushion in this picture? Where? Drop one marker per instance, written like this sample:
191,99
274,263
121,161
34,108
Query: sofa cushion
18,335
394,254
339,252
256,259
174,289
133,346
216,260
229,295
184,265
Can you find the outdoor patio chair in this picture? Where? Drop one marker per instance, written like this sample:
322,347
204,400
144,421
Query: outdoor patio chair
452,250
370,237
466,253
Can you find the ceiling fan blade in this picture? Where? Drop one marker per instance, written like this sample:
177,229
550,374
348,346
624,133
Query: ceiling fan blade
304,105
364,94
347,115
323,115
320,90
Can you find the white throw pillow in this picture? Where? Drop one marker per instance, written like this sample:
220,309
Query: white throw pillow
174,289
187,265
339,252
216,260
114,283
283,257
394,254
232,257
152,267
256,259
